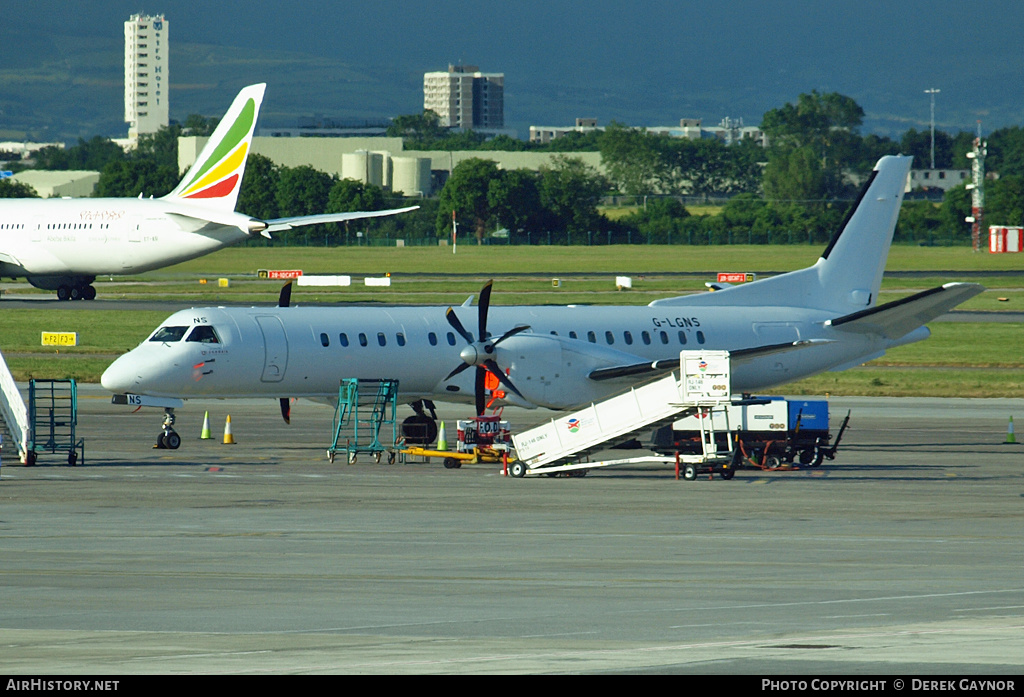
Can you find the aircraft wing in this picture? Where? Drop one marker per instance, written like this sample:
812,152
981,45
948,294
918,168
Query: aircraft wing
900,317
280,224
667,364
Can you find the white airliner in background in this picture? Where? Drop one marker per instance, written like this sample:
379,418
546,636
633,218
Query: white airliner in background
64,244
778,329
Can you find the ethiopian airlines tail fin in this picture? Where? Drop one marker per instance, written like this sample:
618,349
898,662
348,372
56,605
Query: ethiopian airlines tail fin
848,275
216,177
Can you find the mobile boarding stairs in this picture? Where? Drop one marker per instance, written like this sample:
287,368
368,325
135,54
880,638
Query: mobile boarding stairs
702,385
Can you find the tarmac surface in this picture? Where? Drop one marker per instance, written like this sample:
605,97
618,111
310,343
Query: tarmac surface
902,557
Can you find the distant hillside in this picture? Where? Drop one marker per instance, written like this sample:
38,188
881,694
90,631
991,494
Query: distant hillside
61,78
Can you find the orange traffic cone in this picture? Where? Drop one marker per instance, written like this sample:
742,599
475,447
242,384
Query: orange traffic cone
228,438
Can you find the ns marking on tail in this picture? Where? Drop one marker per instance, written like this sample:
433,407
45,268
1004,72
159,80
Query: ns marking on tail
64,244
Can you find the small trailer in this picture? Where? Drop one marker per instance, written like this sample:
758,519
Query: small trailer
770,432
480,439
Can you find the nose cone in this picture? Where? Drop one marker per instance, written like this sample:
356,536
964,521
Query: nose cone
122,375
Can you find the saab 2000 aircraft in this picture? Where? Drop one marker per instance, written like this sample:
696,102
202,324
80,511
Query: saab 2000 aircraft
64,244
778,329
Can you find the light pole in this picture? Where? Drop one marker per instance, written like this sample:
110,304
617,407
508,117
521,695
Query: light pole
933,92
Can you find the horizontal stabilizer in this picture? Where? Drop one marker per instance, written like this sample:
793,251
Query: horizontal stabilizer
281,224
900,317
667,364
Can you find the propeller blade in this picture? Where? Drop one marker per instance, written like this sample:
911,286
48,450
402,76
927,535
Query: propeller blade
286,405
453,320
285,298
511,332
502,378
481,402
482,308
458,370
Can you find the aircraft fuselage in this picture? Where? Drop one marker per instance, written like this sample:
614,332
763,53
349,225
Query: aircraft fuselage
94,237
304,351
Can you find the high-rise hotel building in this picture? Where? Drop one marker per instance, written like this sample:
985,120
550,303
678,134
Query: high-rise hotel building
146,53
464,97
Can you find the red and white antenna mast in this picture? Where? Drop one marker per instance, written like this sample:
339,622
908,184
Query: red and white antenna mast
977,187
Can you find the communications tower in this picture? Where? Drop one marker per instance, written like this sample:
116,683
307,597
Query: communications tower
977,187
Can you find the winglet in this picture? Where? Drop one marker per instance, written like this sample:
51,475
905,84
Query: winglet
216,177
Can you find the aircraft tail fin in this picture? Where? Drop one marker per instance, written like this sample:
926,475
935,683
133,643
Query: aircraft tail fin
216,177
848,275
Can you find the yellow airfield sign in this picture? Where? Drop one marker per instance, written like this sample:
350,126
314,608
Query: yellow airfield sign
60,338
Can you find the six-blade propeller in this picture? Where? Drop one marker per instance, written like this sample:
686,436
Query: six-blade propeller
480,352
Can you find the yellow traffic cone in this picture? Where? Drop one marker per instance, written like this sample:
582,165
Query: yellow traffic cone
1010,438
442,438
228,438
205,435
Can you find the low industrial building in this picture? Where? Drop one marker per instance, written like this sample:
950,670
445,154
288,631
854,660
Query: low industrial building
57,184
381,161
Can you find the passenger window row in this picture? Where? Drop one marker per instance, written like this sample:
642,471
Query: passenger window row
609,337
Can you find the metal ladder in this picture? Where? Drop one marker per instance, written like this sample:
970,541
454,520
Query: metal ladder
53,415
364,407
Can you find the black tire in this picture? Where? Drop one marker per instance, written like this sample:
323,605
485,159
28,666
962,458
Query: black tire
391,457
771,462
689,473
517,469
450,463
30,458
161,441
64,293
172,440
72,459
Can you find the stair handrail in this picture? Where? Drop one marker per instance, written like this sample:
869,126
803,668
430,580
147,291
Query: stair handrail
14,411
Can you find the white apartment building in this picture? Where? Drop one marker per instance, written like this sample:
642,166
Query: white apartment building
146,79
464,97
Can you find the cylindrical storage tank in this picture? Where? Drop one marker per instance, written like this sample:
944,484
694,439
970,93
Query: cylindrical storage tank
363,166
411,175
386,169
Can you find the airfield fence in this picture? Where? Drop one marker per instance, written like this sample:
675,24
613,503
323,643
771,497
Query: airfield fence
709,237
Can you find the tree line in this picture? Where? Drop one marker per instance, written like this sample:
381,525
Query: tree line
795,190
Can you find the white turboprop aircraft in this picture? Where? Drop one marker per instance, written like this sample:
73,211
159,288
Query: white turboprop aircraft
64,244
778,329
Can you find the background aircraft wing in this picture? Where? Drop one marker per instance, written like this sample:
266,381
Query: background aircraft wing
900,317
279,224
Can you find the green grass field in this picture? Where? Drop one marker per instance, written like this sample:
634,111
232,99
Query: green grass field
961,358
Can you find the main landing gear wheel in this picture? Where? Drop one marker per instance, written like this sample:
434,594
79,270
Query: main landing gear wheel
76,292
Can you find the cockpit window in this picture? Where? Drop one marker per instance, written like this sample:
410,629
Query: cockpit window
169,334
203,334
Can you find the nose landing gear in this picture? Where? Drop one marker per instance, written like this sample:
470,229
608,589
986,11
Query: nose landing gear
168,438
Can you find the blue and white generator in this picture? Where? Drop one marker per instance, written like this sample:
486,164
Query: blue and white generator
770,432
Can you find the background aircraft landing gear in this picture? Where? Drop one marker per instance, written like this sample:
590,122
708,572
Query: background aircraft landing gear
168,438
76,292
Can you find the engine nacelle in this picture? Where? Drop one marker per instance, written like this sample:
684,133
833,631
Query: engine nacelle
551,371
